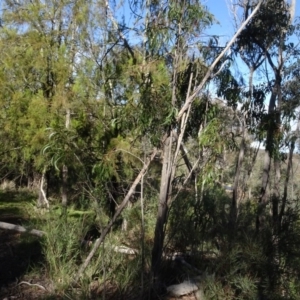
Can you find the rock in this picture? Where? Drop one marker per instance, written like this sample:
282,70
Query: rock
184,288
200,294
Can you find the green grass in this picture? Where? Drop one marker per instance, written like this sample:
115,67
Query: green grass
15,204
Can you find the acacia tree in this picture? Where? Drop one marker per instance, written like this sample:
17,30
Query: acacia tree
50,57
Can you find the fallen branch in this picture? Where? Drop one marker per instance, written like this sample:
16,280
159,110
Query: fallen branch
125,250
19,228
117,213
118,249
42,197
33,284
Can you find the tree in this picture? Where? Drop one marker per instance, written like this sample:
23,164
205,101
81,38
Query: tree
51,39
264,39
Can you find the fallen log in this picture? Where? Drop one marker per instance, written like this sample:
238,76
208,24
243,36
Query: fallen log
39,233
19,228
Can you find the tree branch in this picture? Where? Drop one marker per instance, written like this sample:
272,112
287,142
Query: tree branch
208,74
117,213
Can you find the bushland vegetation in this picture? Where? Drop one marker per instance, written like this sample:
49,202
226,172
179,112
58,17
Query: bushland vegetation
143,154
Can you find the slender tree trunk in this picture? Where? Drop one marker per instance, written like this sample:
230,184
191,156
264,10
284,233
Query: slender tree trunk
165,190
64,201
235,196
240,160
42,198
269,153
287,178
65,171
263,191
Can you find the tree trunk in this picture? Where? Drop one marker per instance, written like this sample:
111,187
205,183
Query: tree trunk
42,198
64,201
287,178
64,191
165,191
270,150
262,202
235,196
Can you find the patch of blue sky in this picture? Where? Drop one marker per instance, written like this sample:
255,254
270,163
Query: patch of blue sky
225,28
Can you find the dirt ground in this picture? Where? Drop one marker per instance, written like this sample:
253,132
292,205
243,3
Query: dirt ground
19,255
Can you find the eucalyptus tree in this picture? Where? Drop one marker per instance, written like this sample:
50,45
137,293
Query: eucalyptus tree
271,40
264,40
102,89
171,47
252,98
175,30
290,112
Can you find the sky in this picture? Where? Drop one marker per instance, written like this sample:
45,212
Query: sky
225,29
220,9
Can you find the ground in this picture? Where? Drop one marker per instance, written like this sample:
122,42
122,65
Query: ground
22,266
20,254
19,257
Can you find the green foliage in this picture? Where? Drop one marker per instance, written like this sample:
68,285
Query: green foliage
229,88
61,247
81,88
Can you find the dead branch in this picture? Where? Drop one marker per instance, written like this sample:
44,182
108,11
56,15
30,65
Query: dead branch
210,70
33,284
117,213
125,250
19,228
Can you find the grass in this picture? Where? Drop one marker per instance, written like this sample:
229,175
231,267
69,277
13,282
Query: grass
15,204
54,258
20,254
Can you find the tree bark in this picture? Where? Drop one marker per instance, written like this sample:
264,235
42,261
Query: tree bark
165,190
